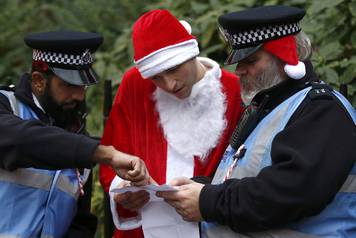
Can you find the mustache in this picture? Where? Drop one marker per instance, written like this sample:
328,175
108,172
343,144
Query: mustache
71,103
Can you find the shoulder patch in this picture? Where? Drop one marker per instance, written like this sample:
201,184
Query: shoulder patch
320,91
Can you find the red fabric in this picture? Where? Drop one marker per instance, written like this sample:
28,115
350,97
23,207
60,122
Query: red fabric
284,48
155,30
133,128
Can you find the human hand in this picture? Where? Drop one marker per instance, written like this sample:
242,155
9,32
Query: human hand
126,166
132,201
131,168
186,199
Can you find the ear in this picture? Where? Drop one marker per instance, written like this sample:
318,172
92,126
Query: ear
38,83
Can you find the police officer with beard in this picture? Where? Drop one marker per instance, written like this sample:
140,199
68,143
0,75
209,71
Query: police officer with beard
45,181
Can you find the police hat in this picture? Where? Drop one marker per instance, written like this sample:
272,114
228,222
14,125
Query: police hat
67,53
247,30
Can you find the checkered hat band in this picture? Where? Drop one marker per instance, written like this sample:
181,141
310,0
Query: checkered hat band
61,58
260,35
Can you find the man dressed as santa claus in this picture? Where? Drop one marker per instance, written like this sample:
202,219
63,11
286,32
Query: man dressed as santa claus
174,110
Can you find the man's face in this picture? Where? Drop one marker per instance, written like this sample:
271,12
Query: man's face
66,95
259,71
63,101
180,79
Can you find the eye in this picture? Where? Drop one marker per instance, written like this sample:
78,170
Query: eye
156,77
250,60
68,85
173,69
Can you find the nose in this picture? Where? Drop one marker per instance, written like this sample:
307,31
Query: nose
240,70
78,93
168,83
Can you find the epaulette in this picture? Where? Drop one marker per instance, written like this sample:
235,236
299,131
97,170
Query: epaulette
7,88
320,90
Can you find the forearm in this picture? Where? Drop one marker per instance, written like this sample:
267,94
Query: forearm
31,143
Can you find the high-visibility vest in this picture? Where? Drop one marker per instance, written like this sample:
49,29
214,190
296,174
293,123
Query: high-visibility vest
36,202
338,219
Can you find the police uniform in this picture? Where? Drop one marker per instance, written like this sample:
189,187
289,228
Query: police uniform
38,183
292,173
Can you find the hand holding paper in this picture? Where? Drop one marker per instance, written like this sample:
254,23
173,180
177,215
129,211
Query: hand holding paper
157,218
150,189
186,199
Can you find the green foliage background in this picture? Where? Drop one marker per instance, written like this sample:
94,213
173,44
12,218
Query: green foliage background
331,24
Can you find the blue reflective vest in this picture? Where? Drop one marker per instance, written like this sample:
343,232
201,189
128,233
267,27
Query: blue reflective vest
36,202
338,219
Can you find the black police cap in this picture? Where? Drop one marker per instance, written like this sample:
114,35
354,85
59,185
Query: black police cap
68,53
247,30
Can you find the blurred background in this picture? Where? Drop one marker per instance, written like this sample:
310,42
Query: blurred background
331,25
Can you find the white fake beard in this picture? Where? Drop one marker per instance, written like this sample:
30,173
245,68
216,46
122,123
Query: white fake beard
194,125
266,79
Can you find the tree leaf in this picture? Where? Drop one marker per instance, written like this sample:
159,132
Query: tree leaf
199,8
352,7
349,74
331,50
353,39
331,75
319,5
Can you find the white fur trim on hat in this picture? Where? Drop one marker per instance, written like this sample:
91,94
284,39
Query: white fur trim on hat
295,71
166,58
186,26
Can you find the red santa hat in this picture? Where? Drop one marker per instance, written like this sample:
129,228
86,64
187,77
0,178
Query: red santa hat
161,42
286,50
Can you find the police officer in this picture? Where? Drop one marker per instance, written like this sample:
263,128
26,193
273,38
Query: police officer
44,188
289,170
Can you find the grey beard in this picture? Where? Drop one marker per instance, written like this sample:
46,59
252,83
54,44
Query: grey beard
266,79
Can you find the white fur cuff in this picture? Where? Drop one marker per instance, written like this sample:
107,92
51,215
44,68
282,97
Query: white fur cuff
121,223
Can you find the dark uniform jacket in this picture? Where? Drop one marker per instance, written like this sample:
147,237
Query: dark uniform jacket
311,158
34,143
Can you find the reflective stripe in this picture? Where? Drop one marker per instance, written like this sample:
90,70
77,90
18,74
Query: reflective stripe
13,102
18,236
280,233
350,185
27,178
86,175
10,236
65,185
258,148
347,105
224,232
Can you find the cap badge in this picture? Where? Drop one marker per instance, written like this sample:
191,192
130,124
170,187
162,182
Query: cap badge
86,57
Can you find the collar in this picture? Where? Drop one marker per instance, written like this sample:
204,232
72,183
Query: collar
24,93
213,68
37,103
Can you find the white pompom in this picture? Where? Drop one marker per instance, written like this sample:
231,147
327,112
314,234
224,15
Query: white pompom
186,26
295,71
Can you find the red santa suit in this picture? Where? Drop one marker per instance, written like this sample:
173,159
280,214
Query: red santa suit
174,137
